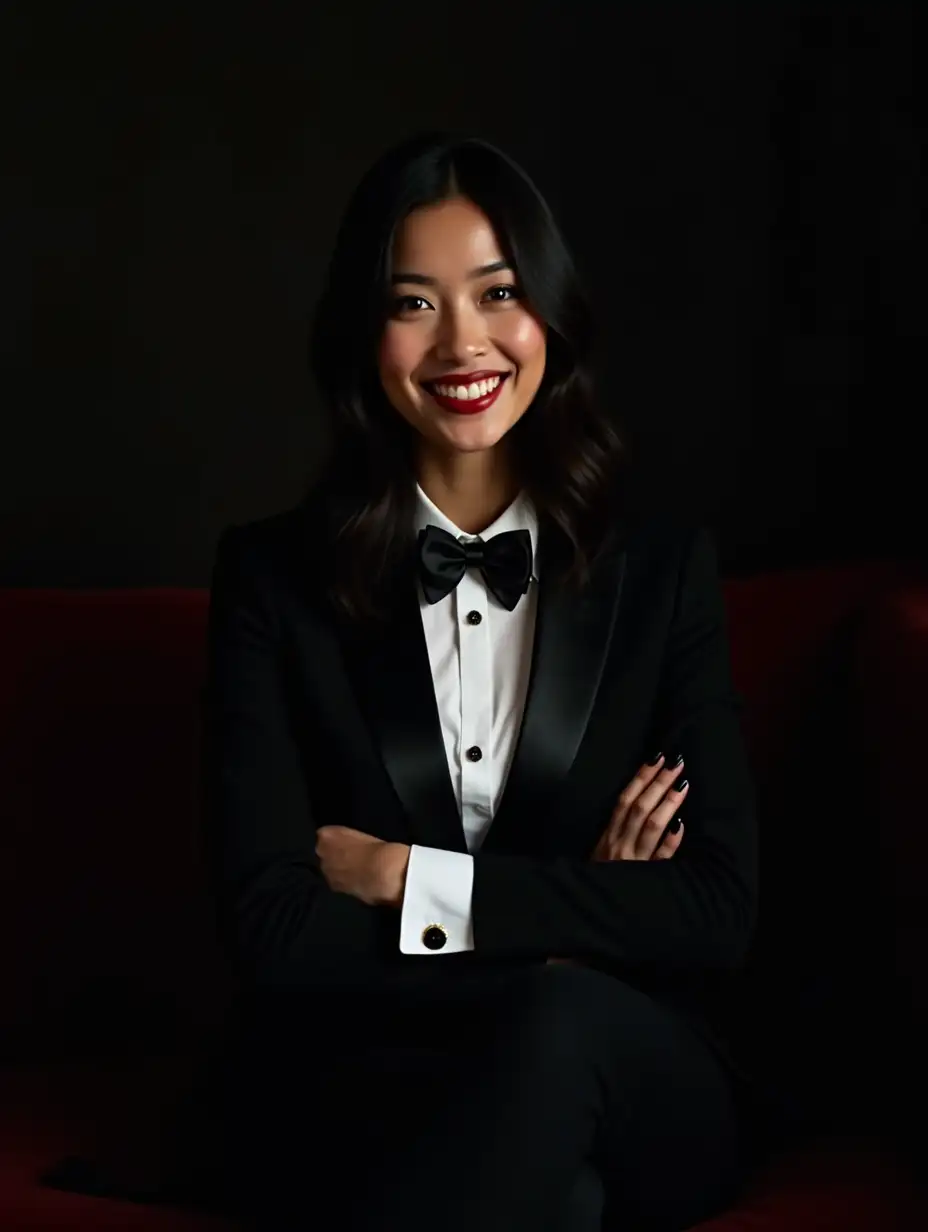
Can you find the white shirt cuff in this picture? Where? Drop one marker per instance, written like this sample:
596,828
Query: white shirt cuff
439,890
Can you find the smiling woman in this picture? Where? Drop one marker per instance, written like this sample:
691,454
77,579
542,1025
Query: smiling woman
481,947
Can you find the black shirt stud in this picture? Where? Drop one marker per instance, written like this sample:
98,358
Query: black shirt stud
434,936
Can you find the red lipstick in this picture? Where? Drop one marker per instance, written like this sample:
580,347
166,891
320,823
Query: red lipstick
466,378
469,406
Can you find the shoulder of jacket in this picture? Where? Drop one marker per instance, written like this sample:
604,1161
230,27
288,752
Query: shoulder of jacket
271,542
665,533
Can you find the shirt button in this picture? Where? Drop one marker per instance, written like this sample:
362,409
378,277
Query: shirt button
473,753
474,618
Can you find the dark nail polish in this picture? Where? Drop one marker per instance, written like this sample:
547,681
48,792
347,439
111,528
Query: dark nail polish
672,765
652,761
674,826
680,786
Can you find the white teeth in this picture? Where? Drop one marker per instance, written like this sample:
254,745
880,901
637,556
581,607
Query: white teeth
465,393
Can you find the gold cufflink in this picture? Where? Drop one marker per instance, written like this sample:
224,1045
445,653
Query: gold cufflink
434,936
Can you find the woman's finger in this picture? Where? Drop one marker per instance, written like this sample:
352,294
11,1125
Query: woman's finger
613,832
651,830
671,841
639,837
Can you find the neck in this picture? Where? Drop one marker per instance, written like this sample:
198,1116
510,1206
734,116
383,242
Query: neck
472,489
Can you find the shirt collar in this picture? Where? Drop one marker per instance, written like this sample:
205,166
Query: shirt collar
520,515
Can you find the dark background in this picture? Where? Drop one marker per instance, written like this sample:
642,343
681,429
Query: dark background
743,185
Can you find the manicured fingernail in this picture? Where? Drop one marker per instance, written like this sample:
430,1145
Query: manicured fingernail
673,765
682,785
652,761
675,825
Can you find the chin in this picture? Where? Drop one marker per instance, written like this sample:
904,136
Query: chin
469,437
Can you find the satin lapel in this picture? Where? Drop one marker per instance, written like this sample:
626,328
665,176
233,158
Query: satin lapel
572,639
392,681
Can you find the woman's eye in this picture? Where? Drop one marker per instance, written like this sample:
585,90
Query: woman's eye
512,292
405,303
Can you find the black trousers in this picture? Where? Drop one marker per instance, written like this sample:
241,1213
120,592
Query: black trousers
476,1104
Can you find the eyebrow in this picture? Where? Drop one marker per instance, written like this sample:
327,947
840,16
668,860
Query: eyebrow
427,281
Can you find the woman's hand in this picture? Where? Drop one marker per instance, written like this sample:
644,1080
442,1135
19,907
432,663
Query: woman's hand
637,829
368,868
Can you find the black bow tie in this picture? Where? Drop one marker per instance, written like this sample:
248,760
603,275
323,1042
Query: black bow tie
505,561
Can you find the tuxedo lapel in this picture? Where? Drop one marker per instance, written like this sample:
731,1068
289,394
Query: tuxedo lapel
573,634
392,680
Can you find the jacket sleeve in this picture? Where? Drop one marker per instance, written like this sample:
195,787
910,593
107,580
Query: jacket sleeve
279,923
697,910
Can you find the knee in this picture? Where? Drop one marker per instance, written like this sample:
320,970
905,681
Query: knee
567,988
562,1010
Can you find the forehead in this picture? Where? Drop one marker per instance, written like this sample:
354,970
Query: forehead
445,240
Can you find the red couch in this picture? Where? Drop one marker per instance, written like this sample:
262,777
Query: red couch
114,992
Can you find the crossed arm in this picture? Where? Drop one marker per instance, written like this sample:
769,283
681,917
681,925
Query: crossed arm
288,912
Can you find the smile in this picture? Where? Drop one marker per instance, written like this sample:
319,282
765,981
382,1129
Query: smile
466,399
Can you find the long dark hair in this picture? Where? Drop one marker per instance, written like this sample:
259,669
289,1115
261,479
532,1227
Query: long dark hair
565,448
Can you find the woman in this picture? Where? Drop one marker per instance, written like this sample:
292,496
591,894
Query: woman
457,700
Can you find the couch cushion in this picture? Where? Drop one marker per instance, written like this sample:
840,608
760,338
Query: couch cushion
106,927
891,721
814,1002
829,1185
132,1130
783,629
891,670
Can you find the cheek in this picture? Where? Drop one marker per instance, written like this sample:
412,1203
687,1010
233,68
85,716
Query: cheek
400,354
526,341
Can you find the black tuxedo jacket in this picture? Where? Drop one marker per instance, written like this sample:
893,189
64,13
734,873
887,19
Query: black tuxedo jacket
310,721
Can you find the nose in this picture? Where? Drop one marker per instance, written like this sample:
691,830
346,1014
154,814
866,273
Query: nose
462,334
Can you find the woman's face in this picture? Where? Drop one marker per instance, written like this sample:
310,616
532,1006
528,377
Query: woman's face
452,319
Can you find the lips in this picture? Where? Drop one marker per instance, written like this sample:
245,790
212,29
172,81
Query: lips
466,378
468,406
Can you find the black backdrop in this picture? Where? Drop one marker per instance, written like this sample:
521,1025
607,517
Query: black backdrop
743,185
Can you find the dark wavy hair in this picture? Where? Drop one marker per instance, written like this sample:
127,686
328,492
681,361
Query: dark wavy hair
566,450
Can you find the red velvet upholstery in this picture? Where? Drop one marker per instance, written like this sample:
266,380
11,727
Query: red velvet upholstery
113,983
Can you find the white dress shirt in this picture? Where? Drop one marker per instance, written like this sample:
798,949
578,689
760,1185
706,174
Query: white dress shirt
480,671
